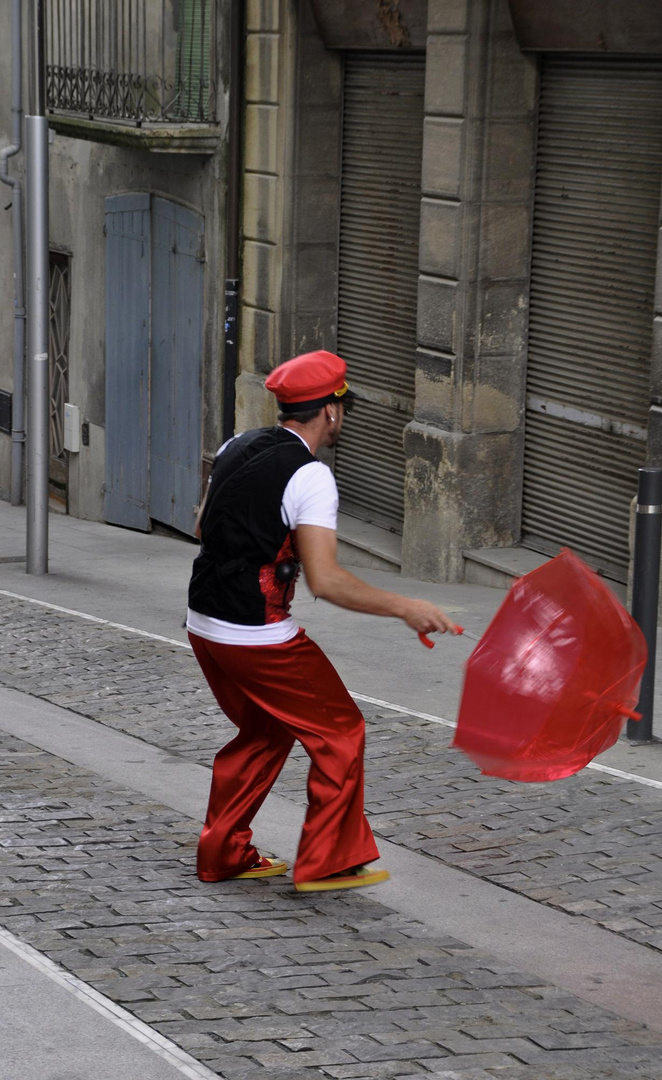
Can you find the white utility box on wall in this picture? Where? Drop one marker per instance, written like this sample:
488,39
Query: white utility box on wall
72,428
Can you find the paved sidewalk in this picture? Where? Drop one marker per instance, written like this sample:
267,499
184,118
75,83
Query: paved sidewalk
40,1009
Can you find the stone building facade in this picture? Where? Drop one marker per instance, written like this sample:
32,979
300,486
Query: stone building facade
463,444
523,115
443,192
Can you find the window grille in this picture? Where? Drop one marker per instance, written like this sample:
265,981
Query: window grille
132,61
59,323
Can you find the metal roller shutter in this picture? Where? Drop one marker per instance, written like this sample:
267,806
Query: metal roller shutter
378,275
592,281
193,59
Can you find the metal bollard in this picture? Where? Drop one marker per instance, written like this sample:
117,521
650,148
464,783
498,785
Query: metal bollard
645,590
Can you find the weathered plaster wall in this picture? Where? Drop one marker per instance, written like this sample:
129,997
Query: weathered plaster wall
82,175
6,260
464,446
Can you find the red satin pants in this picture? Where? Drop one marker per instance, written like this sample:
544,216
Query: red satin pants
276,694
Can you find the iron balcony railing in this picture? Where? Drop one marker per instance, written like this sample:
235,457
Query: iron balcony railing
133,60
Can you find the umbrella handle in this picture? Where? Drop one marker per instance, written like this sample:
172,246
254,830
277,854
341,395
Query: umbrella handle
630,713
429,643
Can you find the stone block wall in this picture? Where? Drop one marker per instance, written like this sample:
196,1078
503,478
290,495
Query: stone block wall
464,446
315,193
262,225
290,197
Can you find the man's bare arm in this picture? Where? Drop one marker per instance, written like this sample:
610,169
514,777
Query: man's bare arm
327,580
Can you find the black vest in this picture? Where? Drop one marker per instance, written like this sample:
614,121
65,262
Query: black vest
243,535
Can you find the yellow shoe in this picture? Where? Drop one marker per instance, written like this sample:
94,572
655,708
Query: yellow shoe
355,878
263,868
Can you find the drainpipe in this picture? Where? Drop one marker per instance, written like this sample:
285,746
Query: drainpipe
18,398
236,35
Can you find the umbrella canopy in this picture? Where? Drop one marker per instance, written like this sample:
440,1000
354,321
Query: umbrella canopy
554,677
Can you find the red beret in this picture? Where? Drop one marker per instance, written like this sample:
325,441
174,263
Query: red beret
312,379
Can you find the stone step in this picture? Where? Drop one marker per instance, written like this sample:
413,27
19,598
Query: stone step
499,567
364,545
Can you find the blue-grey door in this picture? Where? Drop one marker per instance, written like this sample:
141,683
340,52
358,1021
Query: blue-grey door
177,307
154,315
127,360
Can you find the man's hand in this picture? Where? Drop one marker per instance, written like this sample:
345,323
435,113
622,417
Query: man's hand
425,618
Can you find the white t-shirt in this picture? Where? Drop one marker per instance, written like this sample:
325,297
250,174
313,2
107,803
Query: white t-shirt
310,498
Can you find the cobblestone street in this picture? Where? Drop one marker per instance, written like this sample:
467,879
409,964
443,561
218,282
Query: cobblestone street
250,977
582,845
330,388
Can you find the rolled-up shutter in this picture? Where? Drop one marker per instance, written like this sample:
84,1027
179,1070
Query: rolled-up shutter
592,280
193,56
378,275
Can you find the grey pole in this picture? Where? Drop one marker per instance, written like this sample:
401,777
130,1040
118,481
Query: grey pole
645,590
37,282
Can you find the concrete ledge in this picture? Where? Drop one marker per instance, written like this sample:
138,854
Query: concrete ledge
499,567
157,138
364,545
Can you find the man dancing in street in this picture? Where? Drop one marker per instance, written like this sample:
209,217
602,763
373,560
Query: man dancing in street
270,508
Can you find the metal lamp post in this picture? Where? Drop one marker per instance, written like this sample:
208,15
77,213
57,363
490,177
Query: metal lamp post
37,281
646,588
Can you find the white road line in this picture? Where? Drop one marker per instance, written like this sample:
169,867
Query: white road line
452,724
96,619
646,780
625,775
402,709
166,1049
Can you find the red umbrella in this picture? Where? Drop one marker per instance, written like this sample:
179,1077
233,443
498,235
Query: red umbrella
554,677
